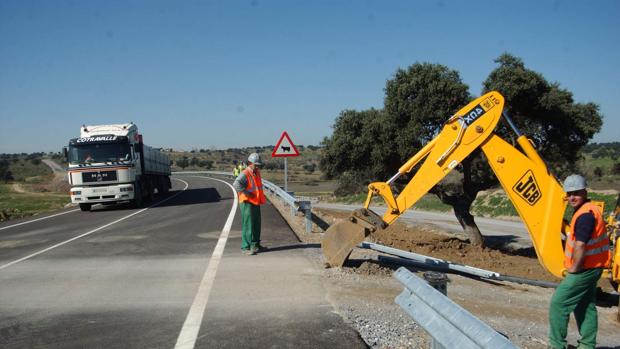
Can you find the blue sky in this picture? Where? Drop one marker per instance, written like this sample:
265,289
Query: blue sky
220,74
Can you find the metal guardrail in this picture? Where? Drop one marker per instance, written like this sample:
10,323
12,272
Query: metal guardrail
449,324
295,204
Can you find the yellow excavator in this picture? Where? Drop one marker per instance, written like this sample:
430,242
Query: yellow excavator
535,192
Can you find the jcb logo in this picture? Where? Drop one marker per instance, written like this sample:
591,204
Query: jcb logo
527,188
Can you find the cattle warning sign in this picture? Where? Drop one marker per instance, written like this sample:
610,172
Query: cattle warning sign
285,147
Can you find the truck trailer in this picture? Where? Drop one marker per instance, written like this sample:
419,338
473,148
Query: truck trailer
110,164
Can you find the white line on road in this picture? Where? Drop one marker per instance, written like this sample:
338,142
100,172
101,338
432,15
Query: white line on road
191,326
92,231
38,219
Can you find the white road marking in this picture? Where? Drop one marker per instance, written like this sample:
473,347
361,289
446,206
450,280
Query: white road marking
38,219
92,231
191,326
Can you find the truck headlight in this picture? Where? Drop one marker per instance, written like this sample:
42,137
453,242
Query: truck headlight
76,192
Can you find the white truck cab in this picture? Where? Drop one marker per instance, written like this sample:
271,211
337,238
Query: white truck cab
110,164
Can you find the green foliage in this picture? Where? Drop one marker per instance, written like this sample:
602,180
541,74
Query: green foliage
603,150
183,163
22,167
352,183
207,164
16,205
419,100
309,167
360,143
5,173
545,112
371,145
494,204
609,200
431,202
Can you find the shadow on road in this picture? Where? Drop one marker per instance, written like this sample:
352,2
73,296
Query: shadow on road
187,197
290,247
194,196
503,243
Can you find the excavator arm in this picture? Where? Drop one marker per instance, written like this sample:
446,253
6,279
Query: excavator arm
536,194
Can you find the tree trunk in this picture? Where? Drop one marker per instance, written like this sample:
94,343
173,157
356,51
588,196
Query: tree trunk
461,211
460,195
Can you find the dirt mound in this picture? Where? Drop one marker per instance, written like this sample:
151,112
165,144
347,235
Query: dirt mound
456,249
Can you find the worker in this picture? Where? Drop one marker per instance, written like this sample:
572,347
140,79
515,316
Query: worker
586,254
241,166
249,187
236,171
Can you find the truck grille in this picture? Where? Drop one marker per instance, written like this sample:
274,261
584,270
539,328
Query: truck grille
98,176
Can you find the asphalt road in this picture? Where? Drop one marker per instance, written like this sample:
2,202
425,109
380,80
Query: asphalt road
170,275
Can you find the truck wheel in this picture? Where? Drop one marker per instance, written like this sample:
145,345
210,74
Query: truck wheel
150,191
137,196
85,207
162,186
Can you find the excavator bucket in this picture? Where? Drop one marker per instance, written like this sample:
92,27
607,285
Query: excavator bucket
342,237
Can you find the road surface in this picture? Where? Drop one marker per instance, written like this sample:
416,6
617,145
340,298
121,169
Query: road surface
167,276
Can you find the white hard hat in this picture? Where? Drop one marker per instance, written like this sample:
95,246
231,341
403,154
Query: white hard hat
574,182
255,159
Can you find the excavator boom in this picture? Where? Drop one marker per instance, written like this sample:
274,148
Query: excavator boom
460,136
533,190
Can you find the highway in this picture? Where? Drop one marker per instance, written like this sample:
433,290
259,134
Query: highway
170,275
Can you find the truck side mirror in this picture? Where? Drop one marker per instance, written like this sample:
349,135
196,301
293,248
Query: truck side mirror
65,152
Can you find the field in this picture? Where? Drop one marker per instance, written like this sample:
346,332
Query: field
33,189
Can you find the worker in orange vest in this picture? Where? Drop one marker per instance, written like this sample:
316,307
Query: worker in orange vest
249,187
585,255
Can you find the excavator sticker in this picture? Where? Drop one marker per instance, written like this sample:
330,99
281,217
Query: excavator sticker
478,111
527,188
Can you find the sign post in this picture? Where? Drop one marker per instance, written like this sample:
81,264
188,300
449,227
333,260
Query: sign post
285,149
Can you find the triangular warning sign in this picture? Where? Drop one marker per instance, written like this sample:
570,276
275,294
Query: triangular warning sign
285,147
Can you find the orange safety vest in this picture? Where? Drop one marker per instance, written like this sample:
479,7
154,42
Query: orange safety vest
597,253
253,190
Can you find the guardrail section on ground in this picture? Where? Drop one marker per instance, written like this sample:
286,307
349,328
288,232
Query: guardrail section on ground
450,325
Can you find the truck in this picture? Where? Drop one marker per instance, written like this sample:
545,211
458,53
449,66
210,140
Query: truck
110,164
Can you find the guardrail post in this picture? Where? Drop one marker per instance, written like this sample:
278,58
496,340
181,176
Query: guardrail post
306,208
438,281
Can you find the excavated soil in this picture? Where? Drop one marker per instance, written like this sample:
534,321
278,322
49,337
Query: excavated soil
457,249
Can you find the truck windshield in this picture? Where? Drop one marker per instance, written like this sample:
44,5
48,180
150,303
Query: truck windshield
93,153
